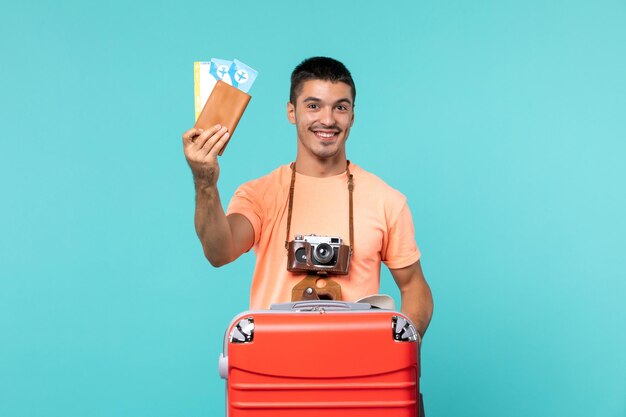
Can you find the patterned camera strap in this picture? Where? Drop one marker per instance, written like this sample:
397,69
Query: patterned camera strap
350,191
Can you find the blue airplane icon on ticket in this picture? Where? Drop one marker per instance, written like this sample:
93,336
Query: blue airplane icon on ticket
241,75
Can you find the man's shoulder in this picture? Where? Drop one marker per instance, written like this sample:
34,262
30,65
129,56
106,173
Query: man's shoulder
374,185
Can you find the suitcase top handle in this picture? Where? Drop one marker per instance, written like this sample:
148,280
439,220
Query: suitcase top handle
320,305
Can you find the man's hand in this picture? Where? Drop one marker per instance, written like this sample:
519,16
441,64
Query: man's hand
417,300
201,148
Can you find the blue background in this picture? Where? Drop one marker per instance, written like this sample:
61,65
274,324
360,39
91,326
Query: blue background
503,122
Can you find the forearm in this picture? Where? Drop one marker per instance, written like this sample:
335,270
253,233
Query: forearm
417,304
212,226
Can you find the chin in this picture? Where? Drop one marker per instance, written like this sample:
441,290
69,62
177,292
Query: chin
326,153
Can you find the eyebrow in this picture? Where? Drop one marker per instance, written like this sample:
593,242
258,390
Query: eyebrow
317,100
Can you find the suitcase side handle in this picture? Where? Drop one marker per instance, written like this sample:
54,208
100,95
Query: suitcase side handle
317,305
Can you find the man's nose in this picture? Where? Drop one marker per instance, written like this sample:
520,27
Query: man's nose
327,116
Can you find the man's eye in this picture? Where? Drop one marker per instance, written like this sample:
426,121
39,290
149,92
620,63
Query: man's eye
342,108
312,106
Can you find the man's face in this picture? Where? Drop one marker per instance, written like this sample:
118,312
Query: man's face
323,115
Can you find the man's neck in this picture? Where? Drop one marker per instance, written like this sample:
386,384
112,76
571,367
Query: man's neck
317,167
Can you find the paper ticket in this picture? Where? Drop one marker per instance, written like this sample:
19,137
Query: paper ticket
206,74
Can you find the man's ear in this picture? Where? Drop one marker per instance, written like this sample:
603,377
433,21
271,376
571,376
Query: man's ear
352,121
291,113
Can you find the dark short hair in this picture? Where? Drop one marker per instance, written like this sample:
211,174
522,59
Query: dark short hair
319,68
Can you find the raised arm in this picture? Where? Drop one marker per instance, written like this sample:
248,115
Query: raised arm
224,238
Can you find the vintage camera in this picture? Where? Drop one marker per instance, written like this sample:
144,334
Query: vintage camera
321,254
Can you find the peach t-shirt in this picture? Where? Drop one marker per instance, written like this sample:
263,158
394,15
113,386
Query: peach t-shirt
383,229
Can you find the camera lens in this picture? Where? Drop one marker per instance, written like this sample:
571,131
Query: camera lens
301,255
323,253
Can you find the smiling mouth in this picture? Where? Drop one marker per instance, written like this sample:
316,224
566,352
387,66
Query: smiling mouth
325,135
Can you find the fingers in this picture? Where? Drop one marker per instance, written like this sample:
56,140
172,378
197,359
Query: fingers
215,143
190,135
217,148
193,135
208,138
205,142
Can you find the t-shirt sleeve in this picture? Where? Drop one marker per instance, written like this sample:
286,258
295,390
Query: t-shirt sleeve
246,202
400,249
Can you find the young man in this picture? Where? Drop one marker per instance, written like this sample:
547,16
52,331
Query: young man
321,106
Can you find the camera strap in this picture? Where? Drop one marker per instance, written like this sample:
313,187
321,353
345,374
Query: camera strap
350,204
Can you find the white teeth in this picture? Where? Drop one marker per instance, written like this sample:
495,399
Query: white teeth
325,135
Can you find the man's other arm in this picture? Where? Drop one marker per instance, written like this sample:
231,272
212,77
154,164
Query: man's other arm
224,238
417,300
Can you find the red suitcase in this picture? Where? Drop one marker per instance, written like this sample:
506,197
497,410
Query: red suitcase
321,358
